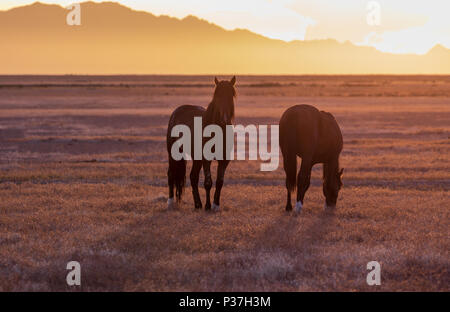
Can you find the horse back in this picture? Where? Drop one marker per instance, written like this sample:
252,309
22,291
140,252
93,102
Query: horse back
183,115
310,133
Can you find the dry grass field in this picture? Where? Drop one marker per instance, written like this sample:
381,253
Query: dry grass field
83,177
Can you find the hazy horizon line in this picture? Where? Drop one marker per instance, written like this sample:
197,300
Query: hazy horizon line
218,75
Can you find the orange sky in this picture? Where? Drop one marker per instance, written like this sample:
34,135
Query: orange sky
405,26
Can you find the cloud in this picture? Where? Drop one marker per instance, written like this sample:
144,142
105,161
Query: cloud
418,39
407,26
273,19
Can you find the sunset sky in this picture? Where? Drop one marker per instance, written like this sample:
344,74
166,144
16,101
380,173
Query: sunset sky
406,26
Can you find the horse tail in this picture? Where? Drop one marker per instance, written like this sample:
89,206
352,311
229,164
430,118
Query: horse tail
177,168
178,171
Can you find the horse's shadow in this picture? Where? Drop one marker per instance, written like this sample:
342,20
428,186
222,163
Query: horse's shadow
293,235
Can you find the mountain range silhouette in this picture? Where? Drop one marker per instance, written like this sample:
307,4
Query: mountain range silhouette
114,39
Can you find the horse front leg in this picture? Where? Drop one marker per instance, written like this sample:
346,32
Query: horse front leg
303,182
208,182
194,176
288,200
222,167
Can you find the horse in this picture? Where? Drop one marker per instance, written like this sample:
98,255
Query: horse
315,137
220,111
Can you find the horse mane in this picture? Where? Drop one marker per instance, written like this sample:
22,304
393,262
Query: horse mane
217,112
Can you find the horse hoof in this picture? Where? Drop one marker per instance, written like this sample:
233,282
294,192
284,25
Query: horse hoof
215,207
198,206
329,208
207,206
171,204
298,207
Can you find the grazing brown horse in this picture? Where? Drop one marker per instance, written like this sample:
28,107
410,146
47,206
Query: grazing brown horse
315,137
219,112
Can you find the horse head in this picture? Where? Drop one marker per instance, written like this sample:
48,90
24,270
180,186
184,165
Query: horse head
332,183
222,105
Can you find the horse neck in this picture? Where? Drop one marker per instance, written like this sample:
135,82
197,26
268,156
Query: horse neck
330,168
212,115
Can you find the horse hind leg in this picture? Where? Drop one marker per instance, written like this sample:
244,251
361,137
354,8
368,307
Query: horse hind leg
290,168
176,176
303,182
171,204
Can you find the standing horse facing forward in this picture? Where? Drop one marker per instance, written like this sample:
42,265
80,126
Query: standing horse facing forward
315,137
219,112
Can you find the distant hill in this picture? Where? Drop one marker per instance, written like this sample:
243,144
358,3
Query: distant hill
114,39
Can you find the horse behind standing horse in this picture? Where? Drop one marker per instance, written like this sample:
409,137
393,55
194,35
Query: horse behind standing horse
315,137
219,112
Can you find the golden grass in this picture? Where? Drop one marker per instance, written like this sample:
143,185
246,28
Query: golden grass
126,240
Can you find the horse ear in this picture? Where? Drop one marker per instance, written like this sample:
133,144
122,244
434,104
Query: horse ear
233,81
216,81
341,172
